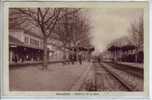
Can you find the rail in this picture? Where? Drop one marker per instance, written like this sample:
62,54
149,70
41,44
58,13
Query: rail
121,80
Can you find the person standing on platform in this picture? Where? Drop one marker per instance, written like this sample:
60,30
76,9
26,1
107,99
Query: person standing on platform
80,58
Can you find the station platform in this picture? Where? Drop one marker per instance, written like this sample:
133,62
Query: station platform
137,65
57,77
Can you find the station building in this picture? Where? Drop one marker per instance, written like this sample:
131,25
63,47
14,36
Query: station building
24,46
124,50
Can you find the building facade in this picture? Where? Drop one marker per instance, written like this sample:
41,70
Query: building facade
24,46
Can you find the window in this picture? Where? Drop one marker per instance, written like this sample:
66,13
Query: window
31,41
34,42
26,40
38,43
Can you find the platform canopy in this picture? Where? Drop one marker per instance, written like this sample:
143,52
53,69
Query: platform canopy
123,48
82,48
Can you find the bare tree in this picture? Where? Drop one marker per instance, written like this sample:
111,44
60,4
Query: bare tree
44,19
137,32
73,29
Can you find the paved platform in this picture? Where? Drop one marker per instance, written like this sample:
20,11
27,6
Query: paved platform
56,78
138,65
25,63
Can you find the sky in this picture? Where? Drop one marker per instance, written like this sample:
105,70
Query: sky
110,24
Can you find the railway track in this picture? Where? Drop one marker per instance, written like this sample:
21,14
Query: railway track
111,79
130,70
106,81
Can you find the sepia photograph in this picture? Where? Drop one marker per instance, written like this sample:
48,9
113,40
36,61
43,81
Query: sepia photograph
76,49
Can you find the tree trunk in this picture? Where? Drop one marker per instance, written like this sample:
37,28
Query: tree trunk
64,56
115,56
136,55
45,60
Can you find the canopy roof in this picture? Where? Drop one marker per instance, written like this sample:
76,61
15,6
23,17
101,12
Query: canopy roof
82,48
123,48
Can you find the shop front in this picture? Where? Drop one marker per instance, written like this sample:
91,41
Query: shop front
20,53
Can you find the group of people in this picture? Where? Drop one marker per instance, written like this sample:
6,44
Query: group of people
73,57
25,58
